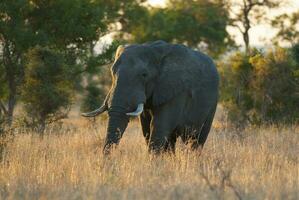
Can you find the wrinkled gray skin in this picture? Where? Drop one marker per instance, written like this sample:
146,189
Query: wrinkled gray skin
179,90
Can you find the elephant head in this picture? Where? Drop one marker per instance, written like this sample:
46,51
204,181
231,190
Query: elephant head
137,76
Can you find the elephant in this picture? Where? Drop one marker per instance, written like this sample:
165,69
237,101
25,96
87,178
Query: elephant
172,88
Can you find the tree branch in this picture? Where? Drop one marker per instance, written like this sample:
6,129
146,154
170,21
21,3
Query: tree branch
238,27
251,4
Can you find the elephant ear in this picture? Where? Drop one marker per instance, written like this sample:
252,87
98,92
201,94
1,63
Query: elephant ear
120,49
174,72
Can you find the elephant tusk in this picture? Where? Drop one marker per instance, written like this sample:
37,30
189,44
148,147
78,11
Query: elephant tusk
138,111
96,112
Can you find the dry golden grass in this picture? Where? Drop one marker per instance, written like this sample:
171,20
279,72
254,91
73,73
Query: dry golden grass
67,164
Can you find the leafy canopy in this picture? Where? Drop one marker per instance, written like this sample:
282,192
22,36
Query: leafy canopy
195,23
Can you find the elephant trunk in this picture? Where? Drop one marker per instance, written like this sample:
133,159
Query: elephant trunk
119,116
117,123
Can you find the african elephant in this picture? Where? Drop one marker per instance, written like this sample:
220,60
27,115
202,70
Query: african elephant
174,90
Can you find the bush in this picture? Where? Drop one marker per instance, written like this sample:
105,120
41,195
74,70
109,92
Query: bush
48,87
295,53
6,133
96,90
93,99
261,87
236,74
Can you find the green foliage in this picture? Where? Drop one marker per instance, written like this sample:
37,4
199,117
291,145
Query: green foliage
287,25
48,87
193,23
261,87
295,53
95,62
3,86
54,22
236,74
98,86
93,98
72,26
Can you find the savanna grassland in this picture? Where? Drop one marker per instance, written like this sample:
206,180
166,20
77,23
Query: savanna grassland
256,163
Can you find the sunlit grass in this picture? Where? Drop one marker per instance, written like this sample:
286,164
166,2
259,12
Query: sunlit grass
258,163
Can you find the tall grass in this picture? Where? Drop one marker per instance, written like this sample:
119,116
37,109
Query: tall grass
258,163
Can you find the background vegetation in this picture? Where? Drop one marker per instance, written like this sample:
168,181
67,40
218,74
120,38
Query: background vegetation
261,87
251,91
47,89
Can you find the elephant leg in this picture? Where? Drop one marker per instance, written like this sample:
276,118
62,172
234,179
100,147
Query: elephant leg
170,144
158,140
204,131
163,125
145,120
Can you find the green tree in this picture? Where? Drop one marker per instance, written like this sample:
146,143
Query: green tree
287,25
73,26
195,23
261,87
93,98
295,53
236,74
48,87
275,86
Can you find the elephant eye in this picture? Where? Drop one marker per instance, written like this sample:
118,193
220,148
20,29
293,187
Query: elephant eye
144,75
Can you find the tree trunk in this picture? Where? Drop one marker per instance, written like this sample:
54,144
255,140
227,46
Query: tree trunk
41,127
10,70
11,102
246,41
247,25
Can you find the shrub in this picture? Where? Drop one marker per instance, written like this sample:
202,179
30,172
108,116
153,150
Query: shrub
48,87
96,90
236,74
261,87
93,99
